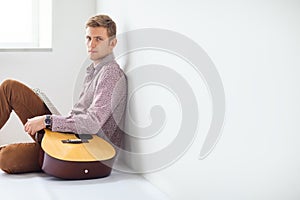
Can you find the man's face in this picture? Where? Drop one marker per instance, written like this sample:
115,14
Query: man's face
98,43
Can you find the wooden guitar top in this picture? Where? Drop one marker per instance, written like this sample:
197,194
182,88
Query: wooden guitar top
96,149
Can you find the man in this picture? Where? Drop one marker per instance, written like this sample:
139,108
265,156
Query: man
99,109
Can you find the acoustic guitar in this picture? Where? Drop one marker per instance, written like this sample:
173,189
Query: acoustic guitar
71,156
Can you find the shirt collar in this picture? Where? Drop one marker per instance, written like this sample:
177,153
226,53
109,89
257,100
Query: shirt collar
107,59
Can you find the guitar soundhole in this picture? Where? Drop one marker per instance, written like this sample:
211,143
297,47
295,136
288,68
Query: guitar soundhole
86,171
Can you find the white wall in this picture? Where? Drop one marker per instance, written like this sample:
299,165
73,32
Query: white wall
54,72
255,46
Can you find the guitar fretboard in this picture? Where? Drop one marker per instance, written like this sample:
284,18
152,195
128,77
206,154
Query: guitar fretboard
47,101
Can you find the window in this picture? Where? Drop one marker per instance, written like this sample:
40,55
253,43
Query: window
25,24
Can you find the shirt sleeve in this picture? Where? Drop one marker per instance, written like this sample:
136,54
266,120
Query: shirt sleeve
91,121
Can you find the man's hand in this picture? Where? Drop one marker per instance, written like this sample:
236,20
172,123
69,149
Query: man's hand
35,124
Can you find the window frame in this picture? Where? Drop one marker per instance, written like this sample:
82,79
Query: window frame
38,9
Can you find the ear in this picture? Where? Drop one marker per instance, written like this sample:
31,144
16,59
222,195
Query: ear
113,43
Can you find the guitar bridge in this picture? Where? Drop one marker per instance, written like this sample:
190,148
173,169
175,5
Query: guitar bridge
75,141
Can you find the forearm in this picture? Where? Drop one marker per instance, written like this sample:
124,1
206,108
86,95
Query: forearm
87,123
63,124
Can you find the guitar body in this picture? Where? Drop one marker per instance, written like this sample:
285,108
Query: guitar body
93,158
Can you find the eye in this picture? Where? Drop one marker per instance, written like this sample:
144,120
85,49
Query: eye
99,39
88,38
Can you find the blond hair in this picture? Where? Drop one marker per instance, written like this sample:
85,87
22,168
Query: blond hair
103,21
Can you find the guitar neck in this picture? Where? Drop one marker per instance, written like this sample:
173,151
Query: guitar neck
47,101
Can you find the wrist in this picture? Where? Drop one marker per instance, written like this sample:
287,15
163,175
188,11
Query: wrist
48,121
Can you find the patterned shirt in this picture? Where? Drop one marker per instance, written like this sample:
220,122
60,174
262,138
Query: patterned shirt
101,105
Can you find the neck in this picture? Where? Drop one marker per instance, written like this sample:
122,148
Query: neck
96,62
103,59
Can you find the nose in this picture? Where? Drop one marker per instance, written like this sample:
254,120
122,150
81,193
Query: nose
92,43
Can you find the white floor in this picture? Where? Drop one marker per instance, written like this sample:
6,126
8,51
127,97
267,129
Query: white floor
39,186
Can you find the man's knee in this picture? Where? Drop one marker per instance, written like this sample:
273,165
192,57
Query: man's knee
9,83
20,158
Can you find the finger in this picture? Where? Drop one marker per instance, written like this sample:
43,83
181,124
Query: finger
26,124
28,131
29,128
26,127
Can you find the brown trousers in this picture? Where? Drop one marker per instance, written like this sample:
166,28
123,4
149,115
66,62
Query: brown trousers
22,157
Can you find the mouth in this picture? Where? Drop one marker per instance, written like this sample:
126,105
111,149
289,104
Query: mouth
92,51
